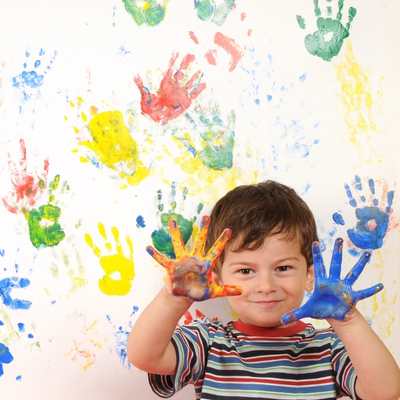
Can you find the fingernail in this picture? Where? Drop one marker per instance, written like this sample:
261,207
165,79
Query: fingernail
150,250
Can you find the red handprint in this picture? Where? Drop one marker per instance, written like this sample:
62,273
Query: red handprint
173,96
27,187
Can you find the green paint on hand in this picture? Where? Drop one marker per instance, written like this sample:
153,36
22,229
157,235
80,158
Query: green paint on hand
146,12
161,238
44,230
327,41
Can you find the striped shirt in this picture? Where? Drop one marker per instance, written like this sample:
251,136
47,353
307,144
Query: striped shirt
239,361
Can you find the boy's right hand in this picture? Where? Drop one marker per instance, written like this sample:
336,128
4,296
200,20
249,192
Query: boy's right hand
190,274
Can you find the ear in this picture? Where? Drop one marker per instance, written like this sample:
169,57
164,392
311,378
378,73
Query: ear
310,278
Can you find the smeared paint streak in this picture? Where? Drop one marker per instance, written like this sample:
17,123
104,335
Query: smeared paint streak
356,96
2,252
231,47
27,188
173,96
5,357
7,285
193,36
208,10
114,146
119,269
149,12
328,39
21,326
140,222
211,57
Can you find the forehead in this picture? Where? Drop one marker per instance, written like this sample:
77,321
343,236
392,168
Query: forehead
279,245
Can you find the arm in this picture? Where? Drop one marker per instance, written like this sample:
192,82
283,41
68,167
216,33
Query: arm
149,344
189,278
378,376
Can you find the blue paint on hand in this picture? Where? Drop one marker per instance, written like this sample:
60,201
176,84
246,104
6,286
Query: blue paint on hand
7,285
332,297
140,222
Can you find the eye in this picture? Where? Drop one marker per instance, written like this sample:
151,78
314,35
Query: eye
284,268
245,271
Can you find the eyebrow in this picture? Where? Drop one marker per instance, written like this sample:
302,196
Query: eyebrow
254,264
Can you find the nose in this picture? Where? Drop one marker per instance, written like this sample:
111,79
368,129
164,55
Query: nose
265,283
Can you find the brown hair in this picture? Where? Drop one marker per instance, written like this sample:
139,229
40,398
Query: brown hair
253,212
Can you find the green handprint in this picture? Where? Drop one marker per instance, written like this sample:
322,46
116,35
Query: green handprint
44,229
148,12
216,11
327,41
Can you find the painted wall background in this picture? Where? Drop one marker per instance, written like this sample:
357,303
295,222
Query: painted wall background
107,128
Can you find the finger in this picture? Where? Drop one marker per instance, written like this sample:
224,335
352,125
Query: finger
336,262
171,64
218,247
190,82
319,268
160,258
139,82
355,272
176,237
200,241
187,60
363,294
224,290
294,315
197,90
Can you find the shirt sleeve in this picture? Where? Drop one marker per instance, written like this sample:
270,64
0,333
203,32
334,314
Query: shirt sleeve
191,343
344,371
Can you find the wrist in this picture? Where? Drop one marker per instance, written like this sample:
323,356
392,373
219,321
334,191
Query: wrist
180,303
353,320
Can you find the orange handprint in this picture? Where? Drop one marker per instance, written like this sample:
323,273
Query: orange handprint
173,96
190,274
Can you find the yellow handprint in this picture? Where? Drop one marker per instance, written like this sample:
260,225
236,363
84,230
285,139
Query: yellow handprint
119,269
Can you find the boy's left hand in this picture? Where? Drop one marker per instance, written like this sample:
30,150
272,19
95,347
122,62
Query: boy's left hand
332,297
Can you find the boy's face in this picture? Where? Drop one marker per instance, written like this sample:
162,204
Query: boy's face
273,279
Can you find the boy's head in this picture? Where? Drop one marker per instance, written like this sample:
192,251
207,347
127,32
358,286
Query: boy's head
254,212
269,254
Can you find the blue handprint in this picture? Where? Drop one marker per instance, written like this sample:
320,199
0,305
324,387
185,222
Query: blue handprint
373,221
5,357
332,297
6,285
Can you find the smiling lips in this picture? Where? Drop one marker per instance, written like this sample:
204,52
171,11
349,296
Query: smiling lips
268,304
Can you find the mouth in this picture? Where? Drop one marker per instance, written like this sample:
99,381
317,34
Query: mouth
267,303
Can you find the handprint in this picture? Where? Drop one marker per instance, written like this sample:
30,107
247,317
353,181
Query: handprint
217,138
332,297
190,274
27,187
327,41
373,220
5,357
173,96
208,10
44,228
148,12
6,286
119,269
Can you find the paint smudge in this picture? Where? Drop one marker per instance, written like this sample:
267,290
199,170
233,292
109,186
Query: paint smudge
7,285
119,269
231,47
213,10
173,96
356,96
5,357
140,222
27,187
211,57
328,39
372,215
147,12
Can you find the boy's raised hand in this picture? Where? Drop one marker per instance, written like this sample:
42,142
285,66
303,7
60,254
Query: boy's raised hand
332,297
190,274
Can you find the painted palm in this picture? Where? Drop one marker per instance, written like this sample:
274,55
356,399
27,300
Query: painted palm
190,274
332,297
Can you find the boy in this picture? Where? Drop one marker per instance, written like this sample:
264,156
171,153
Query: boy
263,263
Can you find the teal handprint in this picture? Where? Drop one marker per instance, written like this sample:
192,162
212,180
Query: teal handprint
327,41
148,12
215,11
